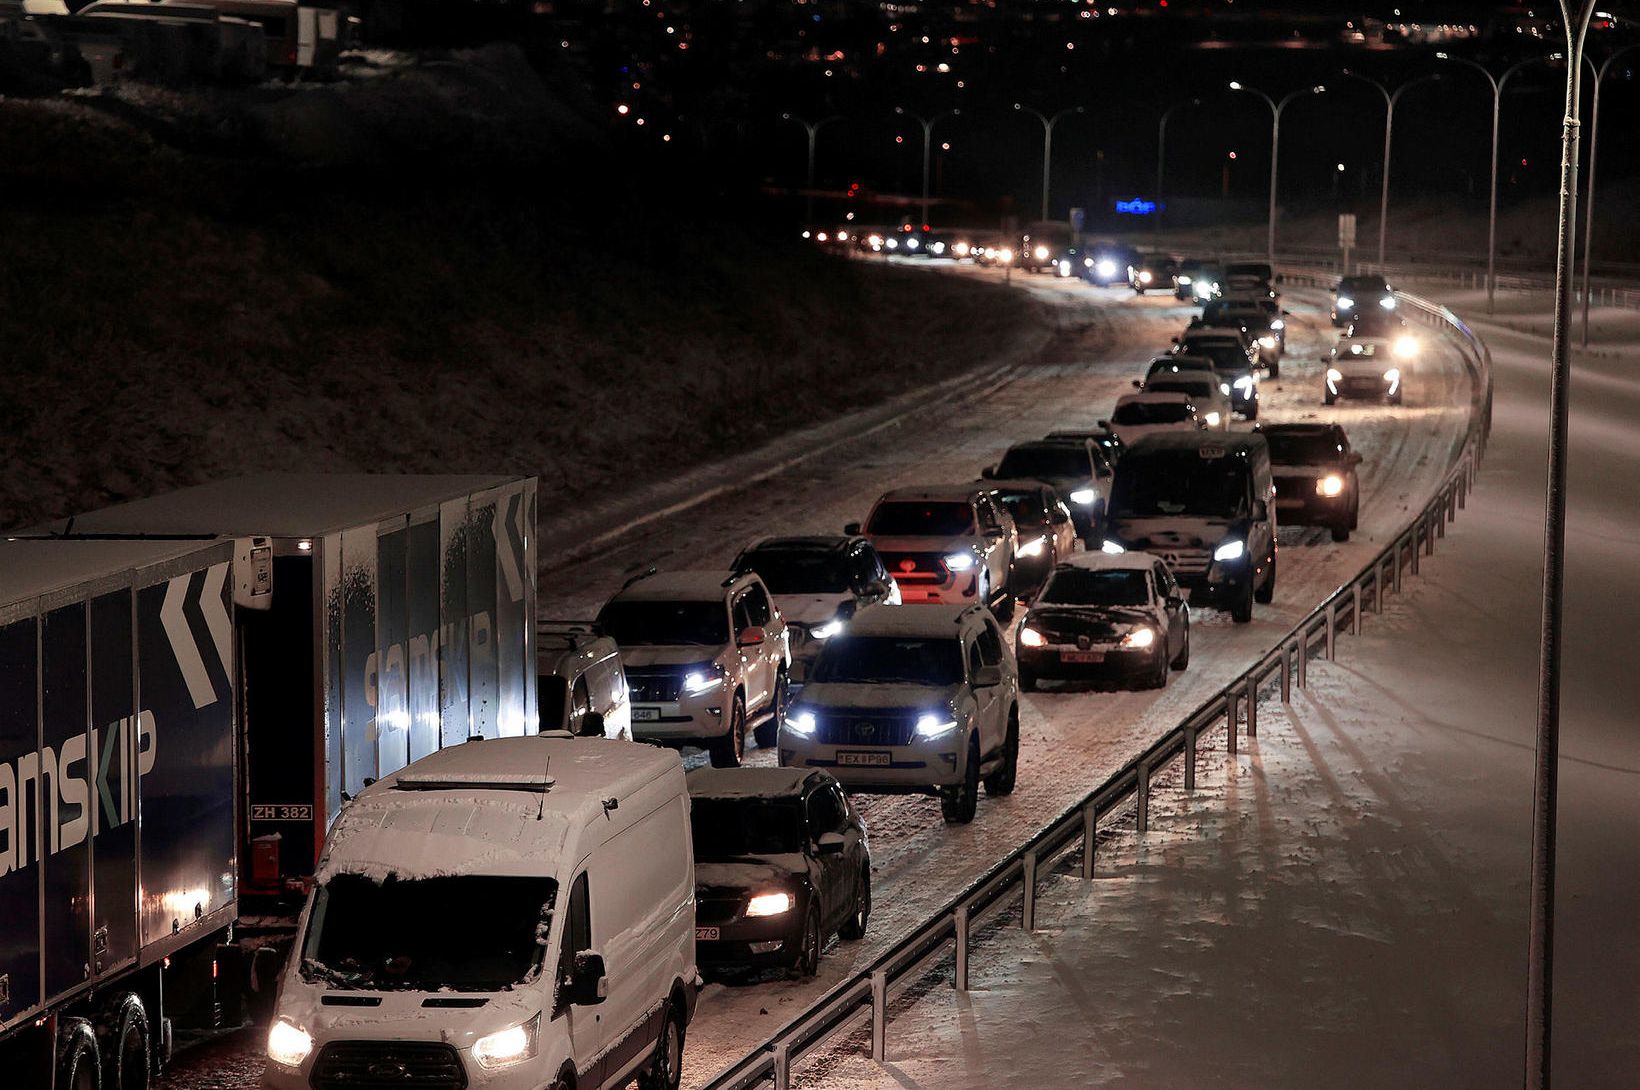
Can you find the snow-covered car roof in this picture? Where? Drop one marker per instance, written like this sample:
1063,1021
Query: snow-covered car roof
1132,560
1154,397
747,783
803,543
959,493
680,586
1016,484
930,621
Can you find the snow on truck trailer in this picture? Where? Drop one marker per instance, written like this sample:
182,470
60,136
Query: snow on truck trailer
117,805
382,618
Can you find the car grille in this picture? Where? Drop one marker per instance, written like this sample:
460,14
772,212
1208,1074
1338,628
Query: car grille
388,1065
1069,632
1184,561
867,727
715,911
653,686
917,567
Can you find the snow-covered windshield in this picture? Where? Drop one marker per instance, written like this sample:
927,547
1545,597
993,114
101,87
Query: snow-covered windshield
944,519
729,828
637,623
1151,412
886,660
1097,588
466,932
790,571
1044,461
1180,483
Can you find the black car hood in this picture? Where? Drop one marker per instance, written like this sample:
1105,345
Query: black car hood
749,873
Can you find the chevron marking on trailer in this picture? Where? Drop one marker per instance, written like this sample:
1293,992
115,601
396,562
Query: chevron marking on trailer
216,613
173,617
509,542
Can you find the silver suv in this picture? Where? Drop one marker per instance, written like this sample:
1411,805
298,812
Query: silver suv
912,701
945,543
706,656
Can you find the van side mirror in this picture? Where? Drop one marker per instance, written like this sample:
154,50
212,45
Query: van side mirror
828,844
1104,424
588,986
592,725
1137,385
752,637
1174,601
1355,458
989,472
851,528
987,677
1261,510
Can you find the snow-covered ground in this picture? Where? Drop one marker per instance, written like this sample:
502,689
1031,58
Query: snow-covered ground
1344,903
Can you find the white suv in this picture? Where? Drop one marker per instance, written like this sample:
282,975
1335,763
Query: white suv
706,656
945,543
912,701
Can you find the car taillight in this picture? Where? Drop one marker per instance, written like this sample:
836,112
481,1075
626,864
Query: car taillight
290,55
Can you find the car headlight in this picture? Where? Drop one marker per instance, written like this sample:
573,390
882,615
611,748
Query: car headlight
1387,302
1244,384
1230,550
699,681
510,1046
1084,496
1106,268
932,725
769,904
1138,639
1393,377
288,1045
1406,347
1034,547
1087,262
1278,324
1184,281
801,721
1006,256
892,244
1041,253
826,631
1030,637
1064,266
1267,341
1224,388
1211,420
959,561
1144,276
1111,547
1334,374
1203,289
911,244
1331,485
937,248
1345,303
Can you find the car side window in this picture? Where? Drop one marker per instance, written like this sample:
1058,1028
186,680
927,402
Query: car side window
757,606
989,643
580,702
862,566
975,660
1164,580
742,613
577,934
824,814
987,516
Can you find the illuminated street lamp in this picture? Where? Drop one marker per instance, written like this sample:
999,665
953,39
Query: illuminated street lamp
1276,110
1390,99
1048,124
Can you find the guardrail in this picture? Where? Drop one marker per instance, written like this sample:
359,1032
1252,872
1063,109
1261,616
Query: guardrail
949,933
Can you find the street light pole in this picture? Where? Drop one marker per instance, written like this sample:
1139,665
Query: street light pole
1048,124
1588,201
1497,83
927,124
1575,16
1390,99
1276,110
812,128
1161,156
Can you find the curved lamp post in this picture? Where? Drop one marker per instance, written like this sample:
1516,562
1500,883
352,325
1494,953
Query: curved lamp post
1161,154
1588,201
1276,110
1048,124
812,128
1390,99
927,124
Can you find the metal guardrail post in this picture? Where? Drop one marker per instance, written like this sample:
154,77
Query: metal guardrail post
1027,906
782,1066
1252,705
1141,796
1417,542
1355,610
1286,674
1395,576
1190,758
1090,839
961,981
879,1014
1304,658
1332,630
1230,742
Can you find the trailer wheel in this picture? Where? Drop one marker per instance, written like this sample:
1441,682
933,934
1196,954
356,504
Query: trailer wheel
78,1066
127,1059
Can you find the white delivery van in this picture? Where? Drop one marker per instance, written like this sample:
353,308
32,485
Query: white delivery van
505,914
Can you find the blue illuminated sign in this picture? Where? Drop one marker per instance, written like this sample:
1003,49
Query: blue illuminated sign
1136,207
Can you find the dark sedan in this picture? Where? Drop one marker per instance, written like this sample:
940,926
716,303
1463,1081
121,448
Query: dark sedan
1106,616
1152,272
1314,471
1046,532
781,865
1077,468
1360,295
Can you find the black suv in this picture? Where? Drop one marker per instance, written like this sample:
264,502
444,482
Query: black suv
1316,482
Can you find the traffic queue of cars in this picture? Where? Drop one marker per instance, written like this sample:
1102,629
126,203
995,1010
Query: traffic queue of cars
872,661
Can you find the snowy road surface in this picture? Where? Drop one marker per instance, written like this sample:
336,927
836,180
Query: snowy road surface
1344,903
1069,741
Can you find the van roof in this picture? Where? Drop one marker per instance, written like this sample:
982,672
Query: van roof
282,504
746,783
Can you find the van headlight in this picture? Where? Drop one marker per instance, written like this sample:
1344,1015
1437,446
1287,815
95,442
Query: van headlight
1064,266
1278,324
1040,253
1111,547
1393,377
1211,420
1138,639
1406,346
801,721
509,1046
1330,485
1267,341
1244,384
1184,281
1084,496
704,678
288,1045
1030,637
1224,388
826,631
769,904
1230,550
1034,547
1144,276
959,561
934,724
1345,302
1387,302
1106,268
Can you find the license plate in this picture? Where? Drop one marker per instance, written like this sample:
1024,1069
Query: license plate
706,934
646,714
878,759
1081,656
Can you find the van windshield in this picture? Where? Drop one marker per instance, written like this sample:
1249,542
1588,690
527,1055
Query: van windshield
1180,483
422,934
730,828
637,622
